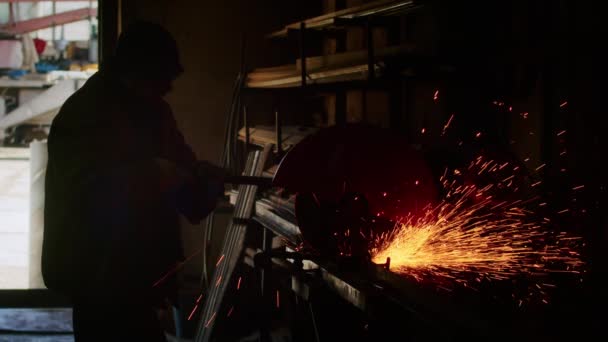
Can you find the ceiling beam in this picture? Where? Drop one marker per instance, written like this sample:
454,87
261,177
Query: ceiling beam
40,23
14,1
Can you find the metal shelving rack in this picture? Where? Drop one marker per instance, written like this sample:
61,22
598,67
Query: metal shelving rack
374,71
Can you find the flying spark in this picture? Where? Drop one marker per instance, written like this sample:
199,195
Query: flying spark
192,312
447,124
219,261
471,234
198,300
563,104
278,299
436,95
210,320
176,268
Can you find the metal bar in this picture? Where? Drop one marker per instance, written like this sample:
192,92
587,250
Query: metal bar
35,24
53,26
246,124
314,322
371,73
232,246
279,133
11,14
375,8
16,1
266,281
265,182
303,52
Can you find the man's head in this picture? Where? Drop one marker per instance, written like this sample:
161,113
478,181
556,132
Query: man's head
147,59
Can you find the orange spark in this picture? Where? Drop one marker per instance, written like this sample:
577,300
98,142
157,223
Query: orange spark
563,104
210,320
423,130
578,187
436,95
561,133
219,280
238,284
219,261
540,167
472,235
447,124
176,268
230,311
478,134
278,299
192,312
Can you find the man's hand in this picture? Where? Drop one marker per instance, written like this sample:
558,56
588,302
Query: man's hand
205,169
213,176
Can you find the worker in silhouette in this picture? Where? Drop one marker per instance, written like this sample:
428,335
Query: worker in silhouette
119,173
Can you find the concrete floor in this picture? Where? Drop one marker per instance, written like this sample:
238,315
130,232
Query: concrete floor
36,325
14,217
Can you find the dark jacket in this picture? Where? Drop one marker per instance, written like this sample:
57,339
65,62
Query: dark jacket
111,223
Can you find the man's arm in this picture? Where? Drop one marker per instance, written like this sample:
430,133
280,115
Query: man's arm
202,182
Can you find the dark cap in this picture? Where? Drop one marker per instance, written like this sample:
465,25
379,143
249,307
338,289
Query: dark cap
147,50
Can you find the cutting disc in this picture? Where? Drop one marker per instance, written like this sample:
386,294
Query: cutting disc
348,176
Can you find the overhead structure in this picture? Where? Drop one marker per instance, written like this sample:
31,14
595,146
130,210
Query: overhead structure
31,25
45,104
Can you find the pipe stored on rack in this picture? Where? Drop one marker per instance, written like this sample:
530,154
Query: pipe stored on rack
264,182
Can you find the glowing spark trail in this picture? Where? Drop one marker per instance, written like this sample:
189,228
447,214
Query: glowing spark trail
472,234
210,320
219,260
447,124
176,268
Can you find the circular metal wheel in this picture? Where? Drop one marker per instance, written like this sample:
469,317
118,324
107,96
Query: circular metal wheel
354,181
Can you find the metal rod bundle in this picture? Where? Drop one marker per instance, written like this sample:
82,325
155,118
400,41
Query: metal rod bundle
233,245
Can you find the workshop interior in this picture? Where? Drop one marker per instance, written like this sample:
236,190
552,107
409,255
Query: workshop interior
395,170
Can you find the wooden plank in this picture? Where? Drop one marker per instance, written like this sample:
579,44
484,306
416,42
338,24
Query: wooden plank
357,72
272,73
351,12
263,135
353,57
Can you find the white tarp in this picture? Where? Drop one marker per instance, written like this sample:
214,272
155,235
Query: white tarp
11,54
50,99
